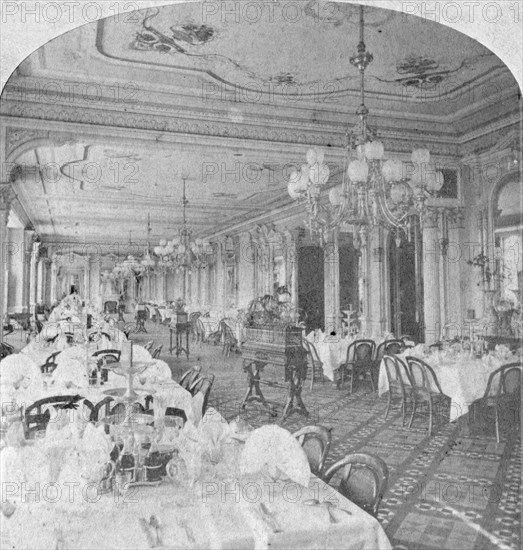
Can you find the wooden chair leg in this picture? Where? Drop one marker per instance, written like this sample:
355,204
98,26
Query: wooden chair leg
388,405
414,404
497,424
430,417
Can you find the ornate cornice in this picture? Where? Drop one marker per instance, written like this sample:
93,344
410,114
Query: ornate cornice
268,130
17,136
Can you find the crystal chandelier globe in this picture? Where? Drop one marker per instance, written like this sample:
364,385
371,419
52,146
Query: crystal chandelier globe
374,191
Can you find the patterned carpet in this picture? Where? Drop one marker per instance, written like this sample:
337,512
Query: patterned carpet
456,490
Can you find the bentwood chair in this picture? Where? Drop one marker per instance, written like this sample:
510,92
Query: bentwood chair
156,352
202,385
360,360
105,357
363,479
149,345
141,317
316,442
389,347
426,391
112,413
5,350
503,394
50,363
400,385
229,340
37,415
316,363
190,376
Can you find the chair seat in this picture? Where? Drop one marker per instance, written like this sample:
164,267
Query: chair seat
426,396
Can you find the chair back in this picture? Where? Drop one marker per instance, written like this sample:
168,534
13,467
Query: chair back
389,347
394,376
50,363
107,356
423,378
505,380
69,337
141,315
36,418
5,350
118,412
156,353
361,351
316,442
313,352
203,385
189,377
149,345
226,330
364,480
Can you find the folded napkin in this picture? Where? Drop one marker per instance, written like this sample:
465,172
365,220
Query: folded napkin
19,370
69,374
157,371
274,449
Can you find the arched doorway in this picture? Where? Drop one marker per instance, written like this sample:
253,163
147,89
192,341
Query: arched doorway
406,284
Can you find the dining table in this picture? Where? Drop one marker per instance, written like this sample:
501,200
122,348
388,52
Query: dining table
332,349
462,376
210,504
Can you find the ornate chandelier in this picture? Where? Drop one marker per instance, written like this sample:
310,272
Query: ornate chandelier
182,252
148,263
374,191
130,267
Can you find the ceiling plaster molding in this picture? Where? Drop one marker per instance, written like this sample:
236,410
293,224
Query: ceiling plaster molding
488,141
318,136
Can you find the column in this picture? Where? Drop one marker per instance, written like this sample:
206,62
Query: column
29,235
40,281
452,259
54,279
291,240
33,277
332,284
431,253
220,276
87,278
377,283
5,202
246,270
363,283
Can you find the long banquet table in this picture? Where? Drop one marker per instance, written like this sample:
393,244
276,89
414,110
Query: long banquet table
463,378
220,510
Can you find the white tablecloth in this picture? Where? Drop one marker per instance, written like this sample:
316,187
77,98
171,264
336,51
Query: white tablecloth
221,510
464,379
332,350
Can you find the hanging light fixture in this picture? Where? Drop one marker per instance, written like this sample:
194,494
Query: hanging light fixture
130,267
374,191
182,251
148,263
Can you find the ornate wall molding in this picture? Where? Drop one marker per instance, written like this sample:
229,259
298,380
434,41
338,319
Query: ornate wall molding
16,136
295,132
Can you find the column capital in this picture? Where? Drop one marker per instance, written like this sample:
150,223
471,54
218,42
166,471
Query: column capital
431,218
456,217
